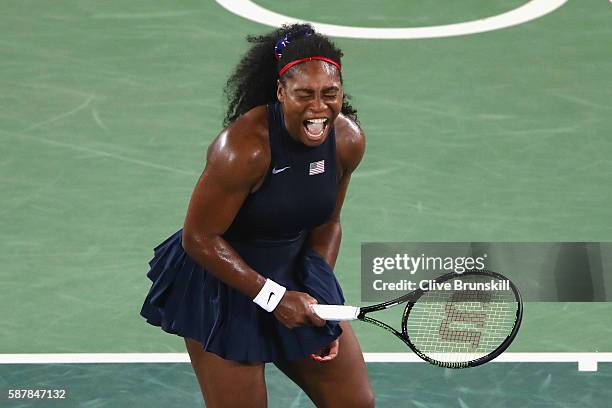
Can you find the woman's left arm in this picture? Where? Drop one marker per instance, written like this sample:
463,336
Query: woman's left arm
350,147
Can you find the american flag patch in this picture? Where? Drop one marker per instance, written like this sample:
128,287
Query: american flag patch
316,167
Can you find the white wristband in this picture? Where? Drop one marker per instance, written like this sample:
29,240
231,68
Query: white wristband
270,295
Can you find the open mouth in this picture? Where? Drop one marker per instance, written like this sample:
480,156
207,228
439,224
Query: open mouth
315,128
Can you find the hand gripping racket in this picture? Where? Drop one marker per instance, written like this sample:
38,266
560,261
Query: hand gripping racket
466,320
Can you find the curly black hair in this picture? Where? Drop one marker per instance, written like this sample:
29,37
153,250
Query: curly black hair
253,82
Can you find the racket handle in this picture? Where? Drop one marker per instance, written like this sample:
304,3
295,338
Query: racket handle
336,312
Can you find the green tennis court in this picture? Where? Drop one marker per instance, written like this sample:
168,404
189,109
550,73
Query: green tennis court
106,109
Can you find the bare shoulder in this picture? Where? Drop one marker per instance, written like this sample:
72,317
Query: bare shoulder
242,150
350,142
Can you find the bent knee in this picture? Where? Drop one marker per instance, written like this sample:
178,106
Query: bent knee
358,399
365,399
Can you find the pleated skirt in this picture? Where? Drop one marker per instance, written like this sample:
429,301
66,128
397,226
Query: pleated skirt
187,301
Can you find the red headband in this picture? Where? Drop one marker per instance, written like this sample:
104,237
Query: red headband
299,61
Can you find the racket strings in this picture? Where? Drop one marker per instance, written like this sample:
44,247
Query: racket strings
454,326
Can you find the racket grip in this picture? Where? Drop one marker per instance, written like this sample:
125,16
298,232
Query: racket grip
336,312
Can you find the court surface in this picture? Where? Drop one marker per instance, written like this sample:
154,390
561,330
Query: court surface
106,109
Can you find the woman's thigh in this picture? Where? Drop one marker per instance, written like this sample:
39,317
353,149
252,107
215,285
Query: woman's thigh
341,382
226,383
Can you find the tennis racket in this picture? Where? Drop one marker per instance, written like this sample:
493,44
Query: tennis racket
454,324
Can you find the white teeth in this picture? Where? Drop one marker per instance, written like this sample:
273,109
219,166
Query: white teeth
315,134
318,120
315,127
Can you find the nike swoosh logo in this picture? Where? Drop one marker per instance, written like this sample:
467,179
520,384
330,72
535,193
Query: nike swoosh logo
270,297
276,171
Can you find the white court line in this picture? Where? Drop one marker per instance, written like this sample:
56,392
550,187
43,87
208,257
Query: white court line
586,361
529,11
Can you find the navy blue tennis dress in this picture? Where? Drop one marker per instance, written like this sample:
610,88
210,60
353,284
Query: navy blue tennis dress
269,233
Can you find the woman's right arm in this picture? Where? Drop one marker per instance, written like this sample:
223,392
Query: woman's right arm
234,165
236,162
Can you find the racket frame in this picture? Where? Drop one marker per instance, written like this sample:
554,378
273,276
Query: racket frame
411,299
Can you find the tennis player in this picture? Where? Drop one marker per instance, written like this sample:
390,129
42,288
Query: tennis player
262,233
